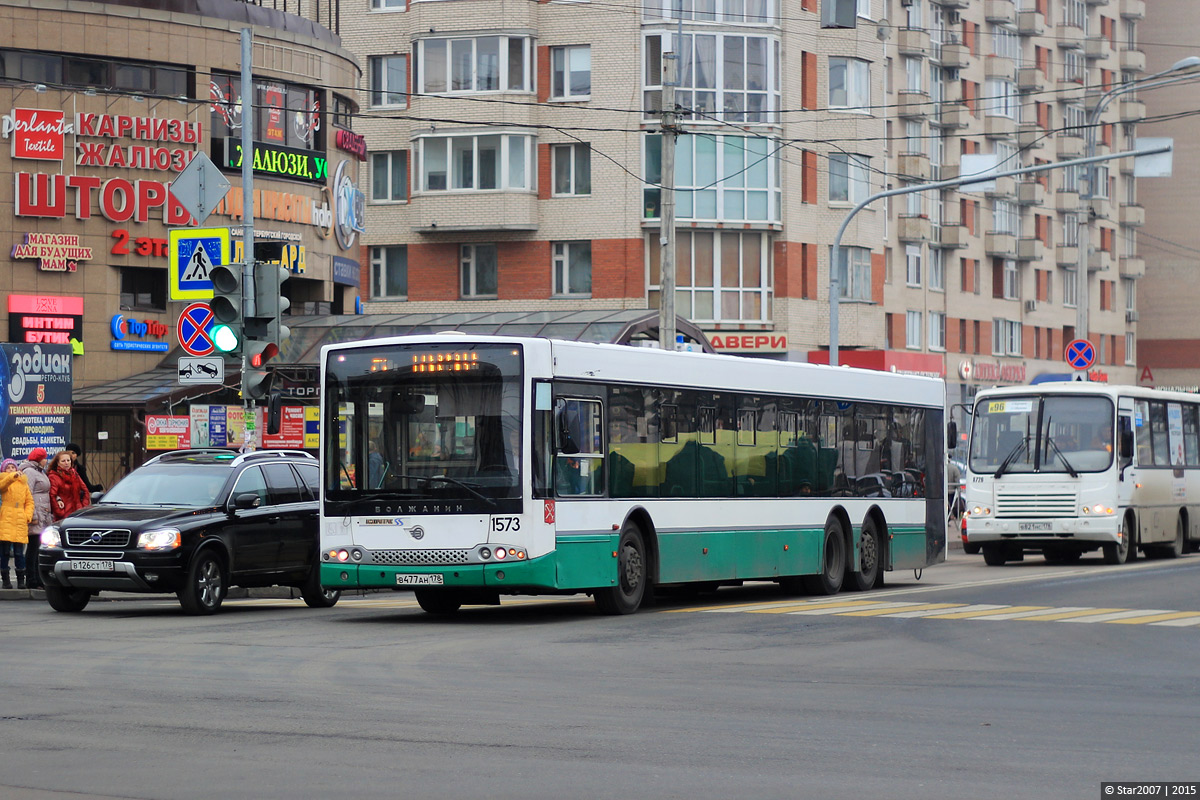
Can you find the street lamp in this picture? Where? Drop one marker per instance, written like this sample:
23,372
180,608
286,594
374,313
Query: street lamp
1188,67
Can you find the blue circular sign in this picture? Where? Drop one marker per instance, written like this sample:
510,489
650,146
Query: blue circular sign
1080,354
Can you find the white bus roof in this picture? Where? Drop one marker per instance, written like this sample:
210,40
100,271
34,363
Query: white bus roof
1087,387
588,361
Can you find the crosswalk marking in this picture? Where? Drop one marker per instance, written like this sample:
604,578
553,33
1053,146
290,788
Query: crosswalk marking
971,611
1069,613
1116,615
1170,615
905,607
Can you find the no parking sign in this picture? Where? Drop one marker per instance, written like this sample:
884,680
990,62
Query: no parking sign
195,329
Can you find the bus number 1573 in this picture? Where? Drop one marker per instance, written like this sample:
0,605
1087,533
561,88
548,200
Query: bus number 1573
505,524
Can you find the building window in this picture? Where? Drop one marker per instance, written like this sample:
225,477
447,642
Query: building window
736,11
1001,98
849,178
389,176
481,64
722,276
380,5
389,272
573,268
854,273
1130,293
572,168
389,79
913,70
1130,356
718,178
937,330
474,163
1005,217
849,83
1074,120
342,110
143,289
937,270
480,270
1006,43
571,72
1070,288
1006,337
1012,280
912,330
912,265
724,77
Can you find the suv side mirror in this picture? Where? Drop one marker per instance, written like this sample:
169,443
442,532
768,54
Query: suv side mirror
246,501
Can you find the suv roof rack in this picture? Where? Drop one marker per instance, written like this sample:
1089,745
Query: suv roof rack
199,451
256,454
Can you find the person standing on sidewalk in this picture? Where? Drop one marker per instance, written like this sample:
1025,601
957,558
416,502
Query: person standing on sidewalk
34,470
77,456
68,493
16,512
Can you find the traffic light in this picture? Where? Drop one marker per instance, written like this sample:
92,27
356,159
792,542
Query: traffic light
226,305
265,331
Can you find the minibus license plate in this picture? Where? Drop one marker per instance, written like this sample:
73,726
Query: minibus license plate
418,580
1034,526
81,565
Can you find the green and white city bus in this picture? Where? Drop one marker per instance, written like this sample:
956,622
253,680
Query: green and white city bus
466,468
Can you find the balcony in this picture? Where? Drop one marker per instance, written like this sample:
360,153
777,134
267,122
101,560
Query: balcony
1031,193
1097,47
999,67
1132,215
951,116
913,166
1133,9
1068,146
913,104
913,228
486,211
1070,37
1030,79
1099,261
1003,188
913,42
1066,202
1133,60
1066,255
1132,111
955,5
1132,266
1030,249
1002,12
1031,23
1123,165
955,56
1097,2
1030,136
1000,245
995,127
951,236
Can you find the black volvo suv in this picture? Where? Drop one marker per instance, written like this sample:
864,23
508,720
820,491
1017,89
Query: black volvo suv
193,522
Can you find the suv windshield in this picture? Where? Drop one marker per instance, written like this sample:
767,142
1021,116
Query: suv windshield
177,485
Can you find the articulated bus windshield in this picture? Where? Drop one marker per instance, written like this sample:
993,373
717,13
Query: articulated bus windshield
1049,433
435,423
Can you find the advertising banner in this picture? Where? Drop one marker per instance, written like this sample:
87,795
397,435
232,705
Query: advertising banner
35,403
167,432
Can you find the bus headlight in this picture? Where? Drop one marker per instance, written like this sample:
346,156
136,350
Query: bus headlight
980,511
1099,508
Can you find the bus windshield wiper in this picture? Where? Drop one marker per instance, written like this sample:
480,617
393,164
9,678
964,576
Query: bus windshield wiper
452,481
1050,441
1012,456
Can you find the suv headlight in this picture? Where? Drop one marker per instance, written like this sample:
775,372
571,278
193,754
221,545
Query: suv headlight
161,539
51,537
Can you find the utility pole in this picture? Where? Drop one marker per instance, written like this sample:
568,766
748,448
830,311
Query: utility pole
670,131
248,305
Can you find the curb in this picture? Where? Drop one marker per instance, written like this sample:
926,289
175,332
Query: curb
235,593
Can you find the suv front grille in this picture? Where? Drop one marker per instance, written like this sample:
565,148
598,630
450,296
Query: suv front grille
111,537
429,557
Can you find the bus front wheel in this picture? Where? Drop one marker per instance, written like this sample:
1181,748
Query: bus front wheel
1121,552
995,555
626,596
833,569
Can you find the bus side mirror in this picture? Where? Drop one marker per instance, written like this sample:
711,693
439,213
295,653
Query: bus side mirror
951,434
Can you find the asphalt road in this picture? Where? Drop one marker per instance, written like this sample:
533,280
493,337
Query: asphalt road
971,684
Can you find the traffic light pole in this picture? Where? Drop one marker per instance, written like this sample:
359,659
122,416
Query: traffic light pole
248,306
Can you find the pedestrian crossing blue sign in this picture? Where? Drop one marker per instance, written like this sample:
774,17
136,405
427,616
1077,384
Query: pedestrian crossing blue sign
191,254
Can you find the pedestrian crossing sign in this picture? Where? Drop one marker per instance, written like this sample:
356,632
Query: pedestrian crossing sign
191,253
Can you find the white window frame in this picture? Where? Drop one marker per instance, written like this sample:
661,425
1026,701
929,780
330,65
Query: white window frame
389,159
698,295
912,265
389,5
914,73
561,267
856,84
381,93
937,269
560,74
1006,217
1130,343
1012,280
451,44
1001,99
1006,43
510,143
937,330
469,275
912,330
704,78
749,191
849,178
1014,332
854,273
381,265
1070,288
726,11
568,157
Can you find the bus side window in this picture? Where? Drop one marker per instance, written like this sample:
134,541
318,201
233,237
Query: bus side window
1125,440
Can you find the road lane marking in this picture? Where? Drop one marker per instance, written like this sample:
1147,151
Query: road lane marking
1117,615
971,611
891,612
1067,614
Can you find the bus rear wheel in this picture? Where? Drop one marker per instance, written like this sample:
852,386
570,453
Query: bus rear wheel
1121,552
833,569
626,596
438,601
869,552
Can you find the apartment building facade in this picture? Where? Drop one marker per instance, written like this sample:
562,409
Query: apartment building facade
514,160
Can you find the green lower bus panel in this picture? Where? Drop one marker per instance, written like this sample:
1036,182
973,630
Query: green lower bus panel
537,573
907,548
737,555
586,561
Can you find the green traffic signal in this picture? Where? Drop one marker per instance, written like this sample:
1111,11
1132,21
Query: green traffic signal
225,338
